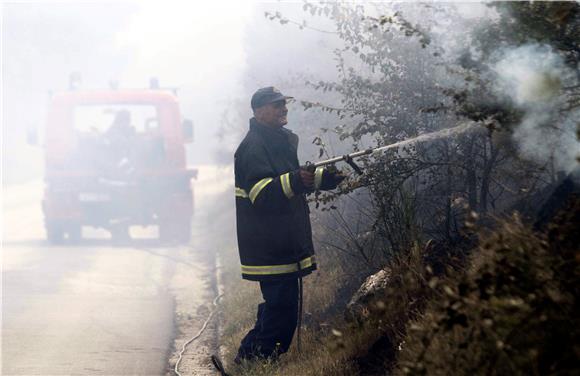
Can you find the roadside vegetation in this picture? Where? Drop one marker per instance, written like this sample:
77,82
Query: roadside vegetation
511,309
475,233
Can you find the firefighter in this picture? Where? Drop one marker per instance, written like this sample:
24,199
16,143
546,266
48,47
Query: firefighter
273,224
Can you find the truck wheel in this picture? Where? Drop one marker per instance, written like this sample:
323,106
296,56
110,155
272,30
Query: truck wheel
183,231
176,232
54,233
120,234
74,233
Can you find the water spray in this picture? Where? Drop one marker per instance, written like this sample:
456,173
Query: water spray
349,158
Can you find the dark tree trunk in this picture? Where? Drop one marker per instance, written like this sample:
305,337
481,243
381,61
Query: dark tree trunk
486,177
471,175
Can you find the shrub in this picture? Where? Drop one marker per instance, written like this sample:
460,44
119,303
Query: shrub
513,312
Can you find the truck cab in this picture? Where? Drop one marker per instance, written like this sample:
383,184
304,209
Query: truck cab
114,159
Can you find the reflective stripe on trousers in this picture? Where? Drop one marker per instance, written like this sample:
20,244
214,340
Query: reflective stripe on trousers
278,269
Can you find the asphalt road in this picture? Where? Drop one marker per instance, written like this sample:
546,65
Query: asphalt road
89,309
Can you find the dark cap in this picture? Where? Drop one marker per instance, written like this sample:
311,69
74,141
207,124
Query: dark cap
267,95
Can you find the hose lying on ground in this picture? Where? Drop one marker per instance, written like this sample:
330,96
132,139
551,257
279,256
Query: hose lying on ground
215,301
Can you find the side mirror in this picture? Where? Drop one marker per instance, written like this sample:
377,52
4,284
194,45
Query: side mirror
188,130
32,137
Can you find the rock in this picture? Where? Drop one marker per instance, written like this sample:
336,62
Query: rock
370,292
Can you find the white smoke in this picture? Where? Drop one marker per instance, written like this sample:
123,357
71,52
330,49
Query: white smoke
533,77
538,139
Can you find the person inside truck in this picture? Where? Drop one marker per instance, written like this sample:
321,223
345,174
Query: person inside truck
121,128
120,141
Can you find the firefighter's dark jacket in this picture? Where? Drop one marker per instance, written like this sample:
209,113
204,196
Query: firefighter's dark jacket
273,224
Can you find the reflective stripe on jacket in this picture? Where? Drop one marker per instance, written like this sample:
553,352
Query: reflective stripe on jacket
273,224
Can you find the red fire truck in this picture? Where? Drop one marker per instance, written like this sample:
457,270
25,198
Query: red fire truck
115,159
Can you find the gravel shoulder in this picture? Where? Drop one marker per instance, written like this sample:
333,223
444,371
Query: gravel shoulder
194,292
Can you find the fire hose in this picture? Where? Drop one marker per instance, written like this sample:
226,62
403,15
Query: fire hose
199,333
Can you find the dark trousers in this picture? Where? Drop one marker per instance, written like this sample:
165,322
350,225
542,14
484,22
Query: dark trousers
276,321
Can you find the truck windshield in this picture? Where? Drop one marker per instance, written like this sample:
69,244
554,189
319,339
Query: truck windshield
108,136
99,119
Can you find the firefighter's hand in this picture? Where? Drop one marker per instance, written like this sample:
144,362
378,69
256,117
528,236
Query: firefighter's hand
307,179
